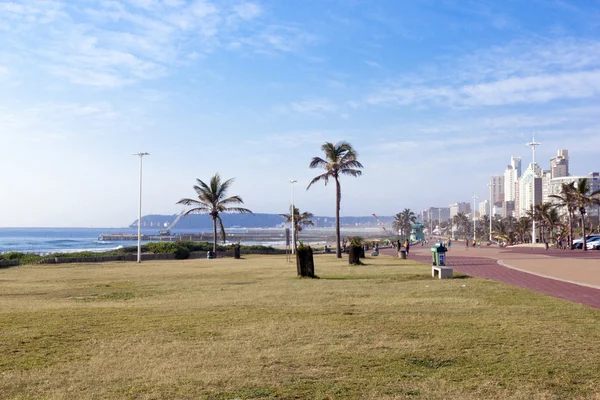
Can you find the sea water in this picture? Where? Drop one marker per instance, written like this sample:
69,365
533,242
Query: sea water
65,240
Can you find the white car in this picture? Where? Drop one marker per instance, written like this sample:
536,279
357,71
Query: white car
593,243
578,243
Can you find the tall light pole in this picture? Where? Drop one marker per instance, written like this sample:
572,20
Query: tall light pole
440,220
474,220
533,145
292,181
139,252
491,185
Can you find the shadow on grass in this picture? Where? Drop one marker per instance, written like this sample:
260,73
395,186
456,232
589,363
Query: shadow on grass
394,277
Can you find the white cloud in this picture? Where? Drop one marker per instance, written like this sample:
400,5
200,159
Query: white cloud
114,43
312,107
248,10
515,74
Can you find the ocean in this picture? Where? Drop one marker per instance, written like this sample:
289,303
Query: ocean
65,240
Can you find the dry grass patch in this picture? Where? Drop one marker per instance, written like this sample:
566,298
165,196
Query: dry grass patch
226,329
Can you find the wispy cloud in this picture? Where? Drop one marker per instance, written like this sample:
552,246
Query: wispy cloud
312,107
52,123
515,74
113,43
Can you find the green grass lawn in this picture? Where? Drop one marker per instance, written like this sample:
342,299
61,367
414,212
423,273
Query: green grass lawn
242,329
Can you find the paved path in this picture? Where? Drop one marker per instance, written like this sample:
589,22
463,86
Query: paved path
574,278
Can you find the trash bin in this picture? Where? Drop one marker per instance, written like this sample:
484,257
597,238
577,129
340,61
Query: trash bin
438,254
210,255
403,254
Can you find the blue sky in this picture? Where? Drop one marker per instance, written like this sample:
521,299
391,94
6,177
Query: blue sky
434,95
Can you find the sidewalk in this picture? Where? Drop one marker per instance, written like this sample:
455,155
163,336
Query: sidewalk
571,274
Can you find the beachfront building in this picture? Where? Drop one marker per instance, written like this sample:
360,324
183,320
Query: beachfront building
559,165
554,186
511,176
435,213
497,188
528,190
498,209
460,207
484,208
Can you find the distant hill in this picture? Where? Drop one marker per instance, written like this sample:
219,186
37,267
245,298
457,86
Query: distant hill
203,221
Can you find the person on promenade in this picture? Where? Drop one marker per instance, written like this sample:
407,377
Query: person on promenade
559,243
449,244
407,245
467,243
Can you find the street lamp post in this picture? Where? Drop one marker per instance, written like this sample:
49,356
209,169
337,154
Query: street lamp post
292,181
491,185
474,220
139,249
533,145
440,220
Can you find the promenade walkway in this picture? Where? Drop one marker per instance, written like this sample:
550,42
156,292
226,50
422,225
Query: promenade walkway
572,275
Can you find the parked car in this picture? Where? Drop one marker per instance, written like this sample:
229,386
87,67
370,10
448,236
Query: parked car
578,243
593,243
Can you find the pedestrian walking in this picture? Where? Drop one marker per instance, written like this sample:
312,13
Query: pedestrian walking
559,242
407,246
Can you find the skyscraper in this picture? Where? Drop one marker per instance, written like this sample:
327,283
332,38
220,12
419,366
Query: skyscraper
497,183
511,175
559,165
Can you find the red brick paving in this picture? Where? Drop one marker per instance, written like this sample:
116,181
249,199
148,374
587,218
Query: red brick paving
488,268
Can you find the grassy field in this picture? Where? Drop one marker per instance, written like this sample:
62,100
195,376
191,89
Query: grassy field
249,329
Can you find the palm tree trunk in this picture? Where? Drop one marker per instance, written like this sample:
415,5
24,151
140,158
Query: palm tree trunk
338,198
214,236
583,231
570,230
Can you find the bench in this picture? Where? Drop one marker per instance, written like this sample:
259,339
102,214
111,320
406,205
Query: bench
441,271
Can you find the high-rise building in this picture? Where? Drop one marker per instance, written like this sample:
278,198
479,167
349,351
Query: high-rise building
515,163
511,175
460,207
559,165
435,213
529,190
555,187
484,208
497,183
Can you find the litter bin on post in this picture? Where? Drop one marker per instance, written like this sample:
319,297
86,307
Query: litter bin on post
402,254
438,255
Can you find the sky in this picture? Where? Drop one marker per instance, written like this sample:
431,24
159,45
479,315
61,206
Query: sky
434,95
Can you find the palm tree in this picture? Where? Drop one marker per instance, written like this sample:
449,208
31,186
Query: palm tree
213,200
462,223
540,213
566,198
483,226
340,159
403,221
300,221
521,227
582,199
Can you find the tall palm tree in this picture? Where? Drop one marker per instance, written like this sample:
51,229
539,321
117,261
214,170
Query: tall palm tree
340,159
462,223
403,221
300,221
566,199
540,213
213,200
583,199
521,227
